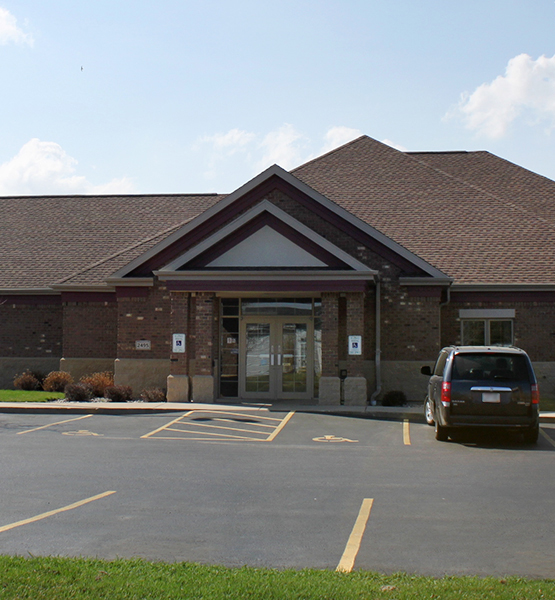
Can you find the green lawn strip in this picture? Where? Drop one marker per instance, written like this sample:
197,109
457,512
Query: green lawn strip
547,405
53,577
25,396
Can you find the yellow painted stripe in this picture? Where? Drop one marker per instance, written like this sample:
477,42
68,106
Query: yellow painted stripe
50,513
347,561
273,435
166,425
225,428
406,432
547,437
219,435
52,424
235,414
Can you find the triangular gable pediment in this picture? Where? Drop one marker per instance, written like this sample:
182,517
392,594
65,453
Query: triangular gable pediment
153,260
265,237
269,249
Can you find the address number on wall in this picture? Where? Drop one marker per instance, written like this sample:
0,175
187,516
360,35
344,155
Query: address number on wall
142,345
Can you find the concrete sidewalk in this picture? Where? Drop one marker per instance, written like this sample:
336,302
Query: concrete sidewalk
413,411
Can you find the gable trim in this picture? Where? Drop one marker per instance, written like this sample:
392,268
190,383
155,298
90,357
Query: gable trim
258,209
275,170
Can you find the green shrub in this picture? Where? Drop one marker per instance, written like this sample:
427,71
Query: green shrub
394,398
56,381
153,395
27,381
98,382
119,393
78,392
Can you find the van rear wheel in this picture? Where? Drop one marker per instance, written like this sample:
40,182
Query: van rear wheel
442,433
531,435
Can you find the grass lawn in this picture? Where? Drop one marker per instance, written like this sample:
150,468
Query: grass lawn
24,396
547,405
37,578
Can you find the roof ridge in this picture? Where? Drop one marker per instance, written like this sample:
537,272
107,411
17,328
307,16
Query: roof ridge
500,199
119,253
358,139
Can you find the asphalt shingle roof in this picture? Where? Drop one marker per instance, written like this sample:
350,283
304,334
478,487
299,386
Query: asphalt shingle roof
447,216
474,216
45,240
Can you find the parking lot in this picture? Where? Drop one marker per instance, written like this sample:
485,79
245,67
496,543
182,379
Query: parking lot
277,488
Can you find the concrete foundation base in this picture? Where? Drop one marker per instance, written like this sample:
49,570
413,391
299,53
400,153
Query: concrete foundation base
355,391
178,388
10,367
203,388
141,374
77,367
330,390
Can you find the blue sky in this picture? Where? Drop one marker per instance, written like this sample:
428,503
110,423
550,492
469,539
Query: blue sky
199,96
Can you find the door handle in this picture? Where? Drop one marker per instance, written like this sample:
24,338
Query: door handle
272,356
279,356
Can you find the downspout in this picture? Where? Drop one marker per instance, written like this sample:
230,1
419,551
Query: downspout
378,365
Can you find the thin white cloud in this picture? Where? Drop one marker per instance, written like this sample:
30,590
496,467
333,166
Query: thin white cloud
526,89
10,32
284,146
394,145
337,136
232,141
41,168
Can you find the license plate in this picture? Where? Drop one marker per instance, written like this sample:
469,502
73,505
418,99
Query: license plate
491,397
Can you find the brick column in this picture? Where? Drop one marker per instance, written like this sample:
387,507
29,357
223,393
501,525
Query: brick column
178,383
330,385
356,385
203,380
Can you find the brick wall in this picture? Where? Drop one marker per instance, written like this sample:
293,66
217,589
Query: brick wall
534,325
205,319
144,317
30,329
90,329
410,325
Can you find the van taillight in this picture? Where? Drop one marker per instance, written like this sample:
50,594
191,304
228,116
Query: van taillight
445,393
535,393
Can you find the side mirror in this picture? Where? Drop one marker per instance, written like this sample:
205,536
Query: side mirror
426,371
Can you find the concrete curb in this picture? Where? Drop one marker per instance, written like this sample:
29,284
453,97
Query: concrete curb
414,412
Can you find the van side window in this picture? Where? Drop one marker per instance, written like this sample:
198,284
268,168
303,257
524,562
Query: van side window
440,364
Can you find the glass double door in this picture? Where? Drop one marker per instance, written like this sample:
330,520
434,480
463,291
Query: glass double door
276,358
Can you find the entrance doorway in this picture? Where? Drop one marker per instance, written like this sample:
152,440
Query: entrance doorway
270,348
276,358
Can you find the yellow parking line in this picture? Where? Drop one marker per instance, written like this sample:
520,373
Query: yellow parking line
54,512
52,424
274,434
236,414
347,561
210,426
547,437
406,432
219,435
167,425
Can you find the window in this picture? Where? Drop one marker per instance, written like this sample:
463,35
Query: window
487,332
487,326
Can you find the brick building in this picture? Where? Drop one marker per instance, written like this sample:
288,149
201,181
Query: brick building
335,281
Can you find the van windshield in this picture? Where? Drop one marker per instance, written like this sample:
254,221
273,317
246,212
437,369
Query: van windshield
492,366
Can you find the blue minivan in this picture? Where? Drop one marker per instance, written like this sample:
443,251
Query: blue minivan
482,386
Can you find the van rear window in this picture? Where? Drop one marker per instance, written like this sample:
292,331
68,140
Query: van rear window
490,366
